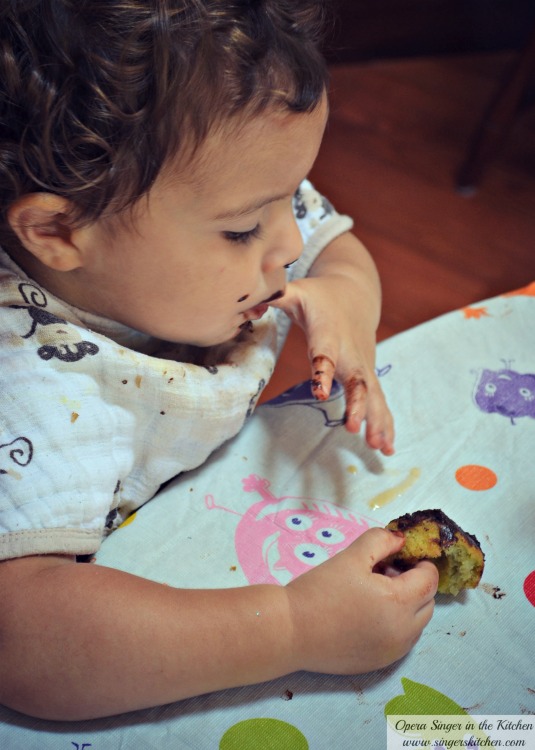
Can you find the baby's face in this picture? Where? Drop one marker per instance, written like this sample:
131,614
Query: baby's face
202,257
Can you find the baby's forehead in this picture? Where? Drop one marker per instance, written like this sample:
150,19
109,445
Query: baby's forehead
244,142
196,162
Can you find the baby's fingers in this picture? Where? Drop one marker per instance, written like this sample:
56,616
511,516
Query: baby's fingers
356,391
379,423
322,376
420,584
365,400
376,544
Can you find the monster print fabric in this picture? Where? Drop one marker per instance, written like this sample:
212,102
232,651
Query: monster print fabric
506,392
294,488
95,416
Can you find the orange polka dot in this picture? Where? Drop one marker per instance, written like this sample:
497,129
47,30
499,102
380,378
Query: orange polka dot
474,477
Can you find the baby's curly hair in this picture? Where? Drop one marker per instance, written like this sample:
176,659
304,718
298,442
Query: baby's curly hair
97,95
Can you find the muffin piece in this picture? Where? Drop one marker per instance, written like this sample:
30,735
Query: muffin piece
431,535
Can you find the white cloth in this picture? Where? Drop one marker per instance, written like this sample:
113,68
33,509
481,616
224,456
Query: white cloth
95,417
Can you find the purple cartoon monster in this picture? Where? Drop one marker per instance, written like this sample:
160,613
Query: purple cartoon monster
278,539
506,392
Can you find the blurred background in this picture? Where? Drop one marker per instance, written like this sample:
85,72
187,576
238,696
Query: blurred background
430,148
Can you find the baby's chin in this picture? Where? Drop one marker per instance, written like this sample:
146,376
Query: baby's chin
226,339
196,347
219,338
204,356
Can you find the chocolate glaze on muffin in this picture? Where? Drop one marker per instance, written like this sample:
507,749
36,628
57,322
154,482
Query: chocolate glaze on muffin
431,535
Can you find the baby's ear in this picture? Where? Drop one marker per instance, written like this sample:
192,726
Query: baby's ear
43,226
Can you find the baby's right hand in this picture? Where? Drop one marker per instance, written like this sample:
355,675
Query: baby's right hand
348,619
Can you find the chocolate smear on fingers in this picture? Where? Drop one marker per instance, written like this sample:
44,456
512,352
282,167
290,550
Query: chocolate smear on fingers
323,370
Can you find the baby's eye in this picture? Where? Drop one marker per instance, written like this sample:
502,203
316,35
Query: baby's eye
243,237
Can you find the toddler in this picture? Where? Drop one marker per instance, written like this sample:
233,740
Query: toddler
158,234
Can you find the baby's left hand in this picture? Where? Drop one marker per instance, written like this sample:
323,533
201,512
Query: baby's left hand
334,311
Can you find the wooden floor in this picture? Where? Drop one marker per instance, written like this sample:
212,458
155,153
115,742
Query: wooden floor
398,133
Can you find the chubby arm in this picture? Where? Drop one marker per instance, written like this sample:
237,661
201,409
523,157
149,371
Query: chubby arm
83,641
339,305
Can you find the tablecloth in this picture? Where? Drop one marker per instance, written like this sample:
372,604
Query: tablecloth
294,486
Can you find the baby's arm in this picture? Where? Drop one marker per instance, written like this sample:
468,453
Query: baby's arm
80,641
339,305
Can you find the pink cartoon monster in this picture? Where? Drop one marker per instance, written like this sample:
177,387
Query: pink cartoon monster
278,539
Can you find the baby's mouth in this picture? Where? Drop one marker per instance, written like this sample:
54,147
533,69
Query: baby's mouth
255,313
258,311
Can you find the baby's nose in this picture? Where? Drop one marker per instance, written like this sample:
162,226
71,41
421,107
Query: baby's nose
287,246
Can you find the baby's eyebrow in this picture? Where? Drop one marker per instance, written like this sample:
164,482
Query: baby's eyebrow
249,208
